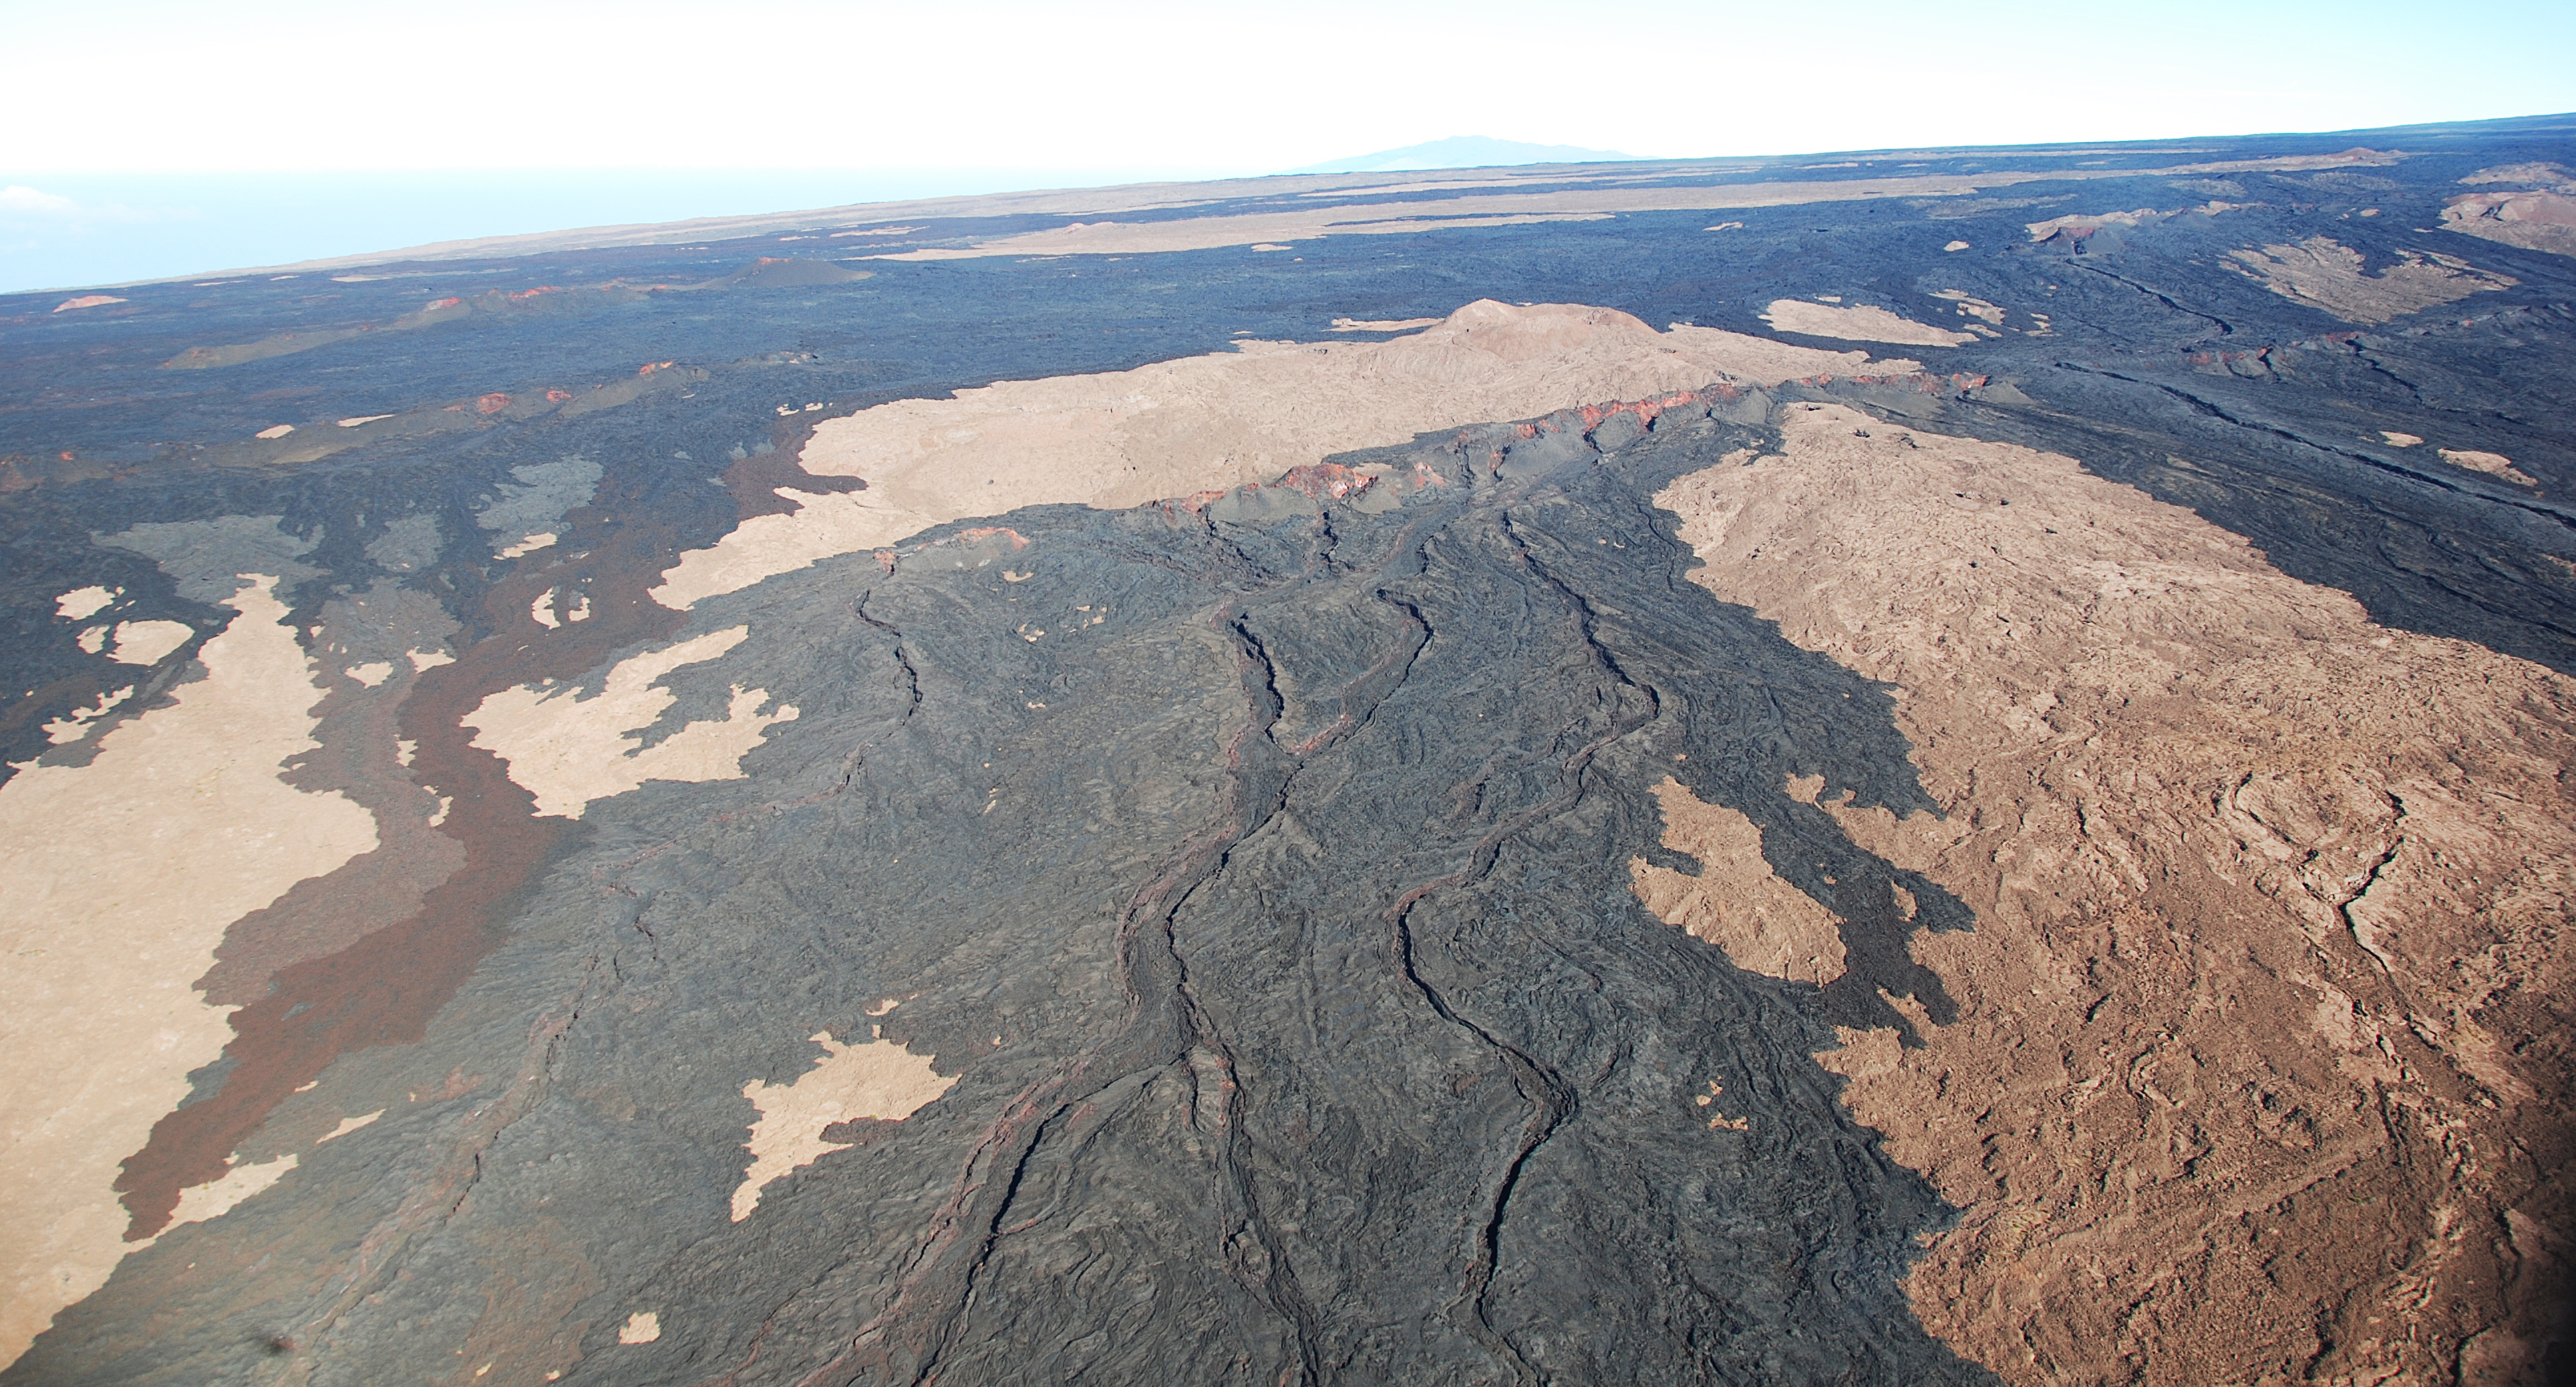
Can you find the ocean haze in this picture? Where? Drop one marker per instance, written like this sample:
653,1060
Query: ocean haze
1464,152
74,230
70,230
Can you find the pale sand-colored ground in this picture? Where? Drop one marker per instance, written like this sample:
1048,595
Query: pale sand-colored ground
348,1125
2399,440
1207,423
1268,230
2078,221
2268,904
1516,207
1382,324
2493,464
1860,324
123,875
216,1198
2087,222
145,642
2536,174
1095,202
1764,924
875,1078
1970,306
2540,217
2329,274
79,604
74,725
569,749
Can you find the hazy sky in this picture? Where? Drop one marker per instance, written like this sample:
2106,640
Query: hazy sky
1208,87
143,138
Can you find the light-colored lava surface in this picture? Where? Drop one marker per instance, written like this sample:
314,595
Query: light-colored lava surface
1206,423
82,603
2261,1035
875,1079
569,749
2541,216
2329,274
1764,924
2493,464
123,876
1098,202
1857,324
145,642
197,1203
1519,207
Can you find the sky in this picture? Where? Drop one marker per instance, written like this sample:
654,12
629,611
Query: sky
168,138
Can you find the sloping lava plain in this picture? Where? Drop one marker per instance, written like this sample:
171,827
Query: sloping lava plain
1210,940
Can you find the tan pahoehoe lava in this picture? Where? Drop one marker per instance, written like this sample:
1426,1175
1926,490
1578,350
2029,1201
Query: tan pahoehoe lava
80,604
1519,206
2260,1065
1383,324
1153,196
1764,924
1206,423
2329,274
2540,217
123,876
874,1079
2493,464
197,1203
568,749
2080,225
1859,324
145,642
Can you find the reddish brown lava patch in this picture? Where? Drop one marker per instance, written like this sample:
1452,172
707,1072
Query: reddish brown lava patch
324,915
385,988
754,481
1326,480
1646,410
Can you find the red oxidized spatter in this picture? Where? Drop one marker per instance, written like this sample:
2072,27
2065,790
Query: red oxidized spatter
1194,503
1326,481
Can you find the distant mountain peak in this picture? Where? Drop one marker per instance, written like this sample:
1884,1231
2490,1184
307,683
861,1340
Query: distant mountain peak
1463,152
